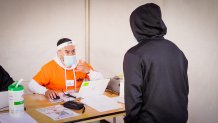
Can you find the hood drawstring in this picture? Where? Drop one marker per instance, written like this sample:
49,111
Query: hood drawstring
74,76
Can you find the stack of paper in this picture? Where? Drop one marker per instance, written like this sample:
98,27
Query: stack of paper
119,99
101,103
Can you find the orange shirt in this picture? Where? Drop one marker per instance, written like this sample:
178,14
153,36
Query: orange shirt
52,76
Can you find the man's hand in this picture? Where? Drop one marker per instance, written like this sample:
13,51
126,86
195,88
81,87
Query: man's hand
82,67
51,94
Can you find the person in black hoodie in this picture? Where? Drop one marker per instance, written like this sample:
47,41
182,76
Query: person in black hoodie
155,72
5,79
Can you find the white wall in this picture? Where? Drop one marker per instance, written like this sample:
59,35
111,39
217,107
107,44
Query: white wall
193,26
29,30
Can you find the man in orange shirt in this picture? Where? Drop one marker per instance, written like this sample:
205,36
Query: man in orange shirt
63,73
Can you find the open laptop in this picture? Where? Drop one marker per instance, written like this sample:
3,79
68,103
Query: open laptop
4,101
91,88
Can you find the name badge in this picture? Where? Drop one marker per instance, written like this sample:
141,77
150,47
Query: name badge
69,82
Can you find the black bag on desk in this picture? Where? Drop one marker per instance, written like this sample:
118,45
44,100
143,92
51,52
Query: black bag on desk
73,105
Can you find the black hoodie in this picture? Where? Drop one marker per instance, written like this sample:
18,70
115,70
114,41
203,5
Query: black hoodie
5,79
155,72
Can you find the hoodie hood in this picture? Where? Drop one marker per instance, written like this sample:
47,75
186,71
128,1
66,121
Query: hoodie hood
146,22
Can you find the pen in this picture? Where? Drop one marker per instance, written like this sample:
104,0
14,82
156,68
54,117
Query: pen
83,109
68,94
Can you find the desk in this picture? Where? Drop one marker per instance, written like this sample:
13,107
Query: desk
34,101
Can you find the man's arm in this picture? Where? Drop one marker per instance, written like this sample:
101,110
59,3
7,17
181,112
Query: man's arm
35,87
39,89
84,67
133,87
42,78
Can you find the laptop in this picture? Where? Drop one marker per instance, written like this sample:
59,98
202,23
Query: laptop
4,103
90,88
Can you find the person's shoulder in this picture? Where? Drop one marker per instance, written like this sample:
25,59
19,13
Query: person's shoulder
1,67
49,64
136,49
171,44
133,49
2,70
145,46
133,52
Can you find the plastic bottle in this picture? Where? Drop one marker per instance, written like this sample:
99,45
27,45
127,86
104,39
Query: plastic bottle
16,100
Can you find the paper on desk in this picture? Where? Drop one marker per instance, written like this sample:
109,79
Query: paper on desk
101,103
57,112
119,99
23,118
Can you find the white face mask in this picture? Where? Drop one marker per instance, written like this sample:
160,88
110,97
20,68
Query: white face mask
70,61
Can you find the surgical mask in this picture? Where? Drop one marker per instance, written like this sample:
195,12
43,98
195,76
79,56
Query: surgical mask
70,61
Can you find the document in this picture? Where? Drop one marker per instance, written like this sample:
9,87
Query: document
101,103
57,112
23,118
119,99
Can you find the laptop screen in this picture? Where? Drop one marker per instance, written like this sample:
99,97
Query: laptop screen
90,88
